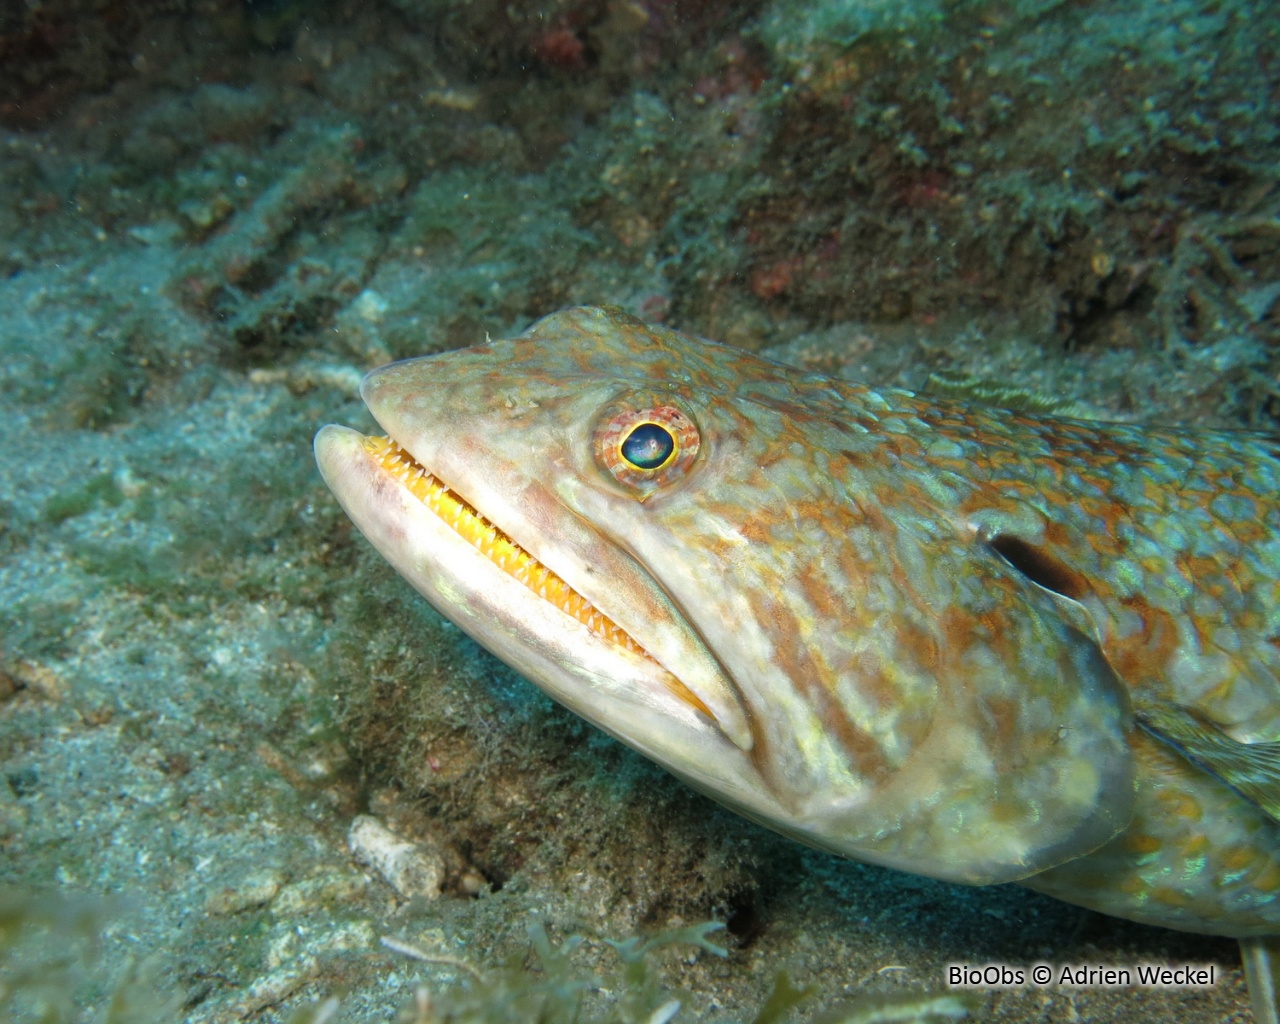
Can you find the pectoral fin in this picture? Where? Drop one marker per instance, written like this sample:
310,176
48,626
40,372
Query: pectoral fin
1251,769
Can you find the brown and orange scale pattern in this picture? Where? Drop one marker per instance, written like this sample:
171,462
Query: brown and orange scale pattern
1169,539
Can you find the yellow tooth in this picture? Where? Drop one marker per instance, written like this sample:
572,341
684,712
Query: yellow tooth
492,542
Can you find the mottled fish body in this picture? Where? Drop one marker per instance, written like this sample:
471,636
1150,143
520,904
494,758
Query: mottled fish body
966,642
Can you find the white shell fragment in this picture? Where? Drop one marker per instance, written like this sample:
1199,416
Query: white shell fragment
409,868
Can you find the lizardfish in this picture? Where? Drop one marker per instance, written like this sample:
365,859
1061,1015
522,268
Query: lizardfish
970,643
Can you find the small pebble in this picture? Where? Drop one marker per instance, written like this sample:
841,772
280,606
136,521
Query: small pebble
410,868
254,890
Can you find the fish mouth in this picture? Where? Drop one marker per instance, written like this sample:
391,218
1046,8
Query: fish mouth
397,463
460,516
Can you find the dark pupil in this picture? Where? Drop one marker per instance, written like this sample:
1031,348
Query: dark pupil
648,446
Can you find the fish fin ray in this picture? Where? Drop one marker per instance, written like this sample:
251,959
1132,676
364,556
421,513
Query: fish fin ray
1251,769
1261,958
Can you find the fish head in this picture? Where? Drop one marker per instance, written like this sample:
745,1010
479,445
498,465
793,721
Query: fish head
705,554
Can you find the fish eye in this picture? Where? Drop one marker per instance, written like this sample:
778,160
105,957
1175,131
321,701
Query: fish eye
649,446
646,446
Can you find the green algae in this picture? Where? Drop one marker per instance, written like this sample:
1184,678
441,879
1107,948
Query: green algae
555,991
52,970
100,488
